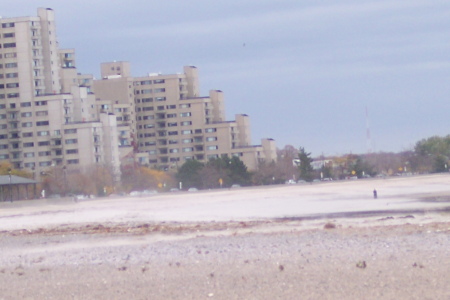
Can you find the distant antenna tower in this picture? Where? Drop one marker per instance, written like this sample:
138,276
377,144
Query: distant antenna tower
368,141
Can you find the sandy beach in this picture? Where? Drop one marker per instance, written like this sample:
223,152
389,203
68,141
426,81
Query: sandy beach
323,241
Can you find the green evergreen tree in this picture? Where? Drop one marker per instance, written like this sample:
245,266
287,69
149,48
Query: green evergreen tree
305,167
189,174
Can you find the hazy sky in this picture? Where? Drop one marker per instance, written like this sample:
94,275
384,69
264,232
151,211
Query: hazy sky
304,71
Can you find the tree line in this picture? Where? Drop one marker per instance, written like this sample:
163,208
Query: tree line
430,155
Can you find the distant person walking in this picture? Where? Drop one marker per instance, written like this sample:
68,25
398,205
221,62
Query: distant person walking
375,194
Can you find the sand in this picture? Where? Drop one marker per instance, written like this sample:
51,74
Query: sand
213,245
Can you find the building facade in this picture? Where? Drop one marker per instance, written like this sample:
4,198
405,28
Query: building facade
51,115
47,116
170,122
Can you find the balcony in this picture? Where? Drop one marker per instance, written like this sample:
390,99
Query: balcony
12,109
16,149
16,159
15,119
14,137
56,146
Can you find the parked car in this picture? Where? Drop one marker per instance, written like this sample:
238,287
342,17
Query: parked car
192,189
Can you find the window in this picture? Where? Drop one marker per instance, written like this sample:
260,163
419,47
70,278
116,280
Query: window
3,136
146,82
26,104
150,143
12,95
41,113
151,134
173,133
210,130
7,25
10,55
68,131
45,163
72,161
12,75
149,125
188,149
186,132
29,165
3,146
12,85
28,145
44,153
171,106
159,99
44,143
72,151
40,103
186,123
211,139
11,65
173,142
185,105
162,90
173,151
171,115
158,81
146,91
152,152
148,108
71,141
187,141
146,100
185,114
212,147
42,123
2,116
27,134
27,124
42,133
148,117
28,154
172,124
4,156
26,114
9,45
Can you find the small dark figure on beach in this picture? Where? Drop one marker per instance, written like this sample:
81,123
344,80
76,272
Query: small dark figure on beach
375,195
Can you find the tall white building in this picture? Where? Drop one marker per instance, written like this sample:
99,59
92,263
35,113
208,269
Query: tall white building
50,115
170,121
47,118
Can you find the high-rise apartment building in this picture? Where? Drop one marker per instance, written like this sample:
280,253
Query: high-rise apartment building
171,123
50,115
47,116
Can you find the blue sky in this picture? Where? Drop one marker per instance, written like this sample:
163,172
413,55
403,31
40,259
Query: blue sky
305,71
